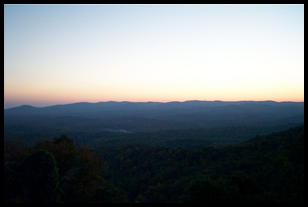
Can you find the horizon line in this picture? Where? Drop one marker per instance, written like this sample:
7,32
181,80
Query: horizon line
30,105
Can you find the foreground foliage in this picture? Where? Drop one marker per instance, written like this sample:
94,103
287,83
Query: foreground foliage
55,171
264,170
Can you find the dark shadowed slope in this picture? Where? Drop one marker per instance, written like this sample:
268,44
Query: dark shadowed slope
264,170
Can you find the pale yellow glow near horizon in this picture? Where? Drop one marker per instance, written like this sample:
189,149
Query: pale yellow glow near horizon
153,53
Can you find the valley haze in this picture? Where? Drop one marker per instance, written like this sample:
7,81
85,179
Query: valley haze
108,119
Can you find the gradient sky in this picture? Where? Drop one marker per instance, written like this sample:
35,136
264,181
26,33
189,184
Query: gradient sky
56,54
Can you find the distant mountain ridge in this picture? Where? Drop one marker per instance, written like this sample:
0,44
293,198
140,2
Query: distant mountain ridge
164,111
84,117
108,103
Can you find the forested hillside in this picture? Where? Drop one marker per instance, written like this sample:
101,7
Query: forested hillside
267,169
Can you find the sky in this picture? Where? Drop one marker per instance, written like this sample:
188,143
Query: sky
57,54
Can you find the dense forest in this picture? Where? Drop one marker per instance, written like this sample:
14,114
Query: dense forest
267,169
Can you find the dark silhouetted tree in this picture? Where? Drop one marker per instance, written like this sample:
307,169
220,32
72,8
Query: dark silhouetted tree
40,178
